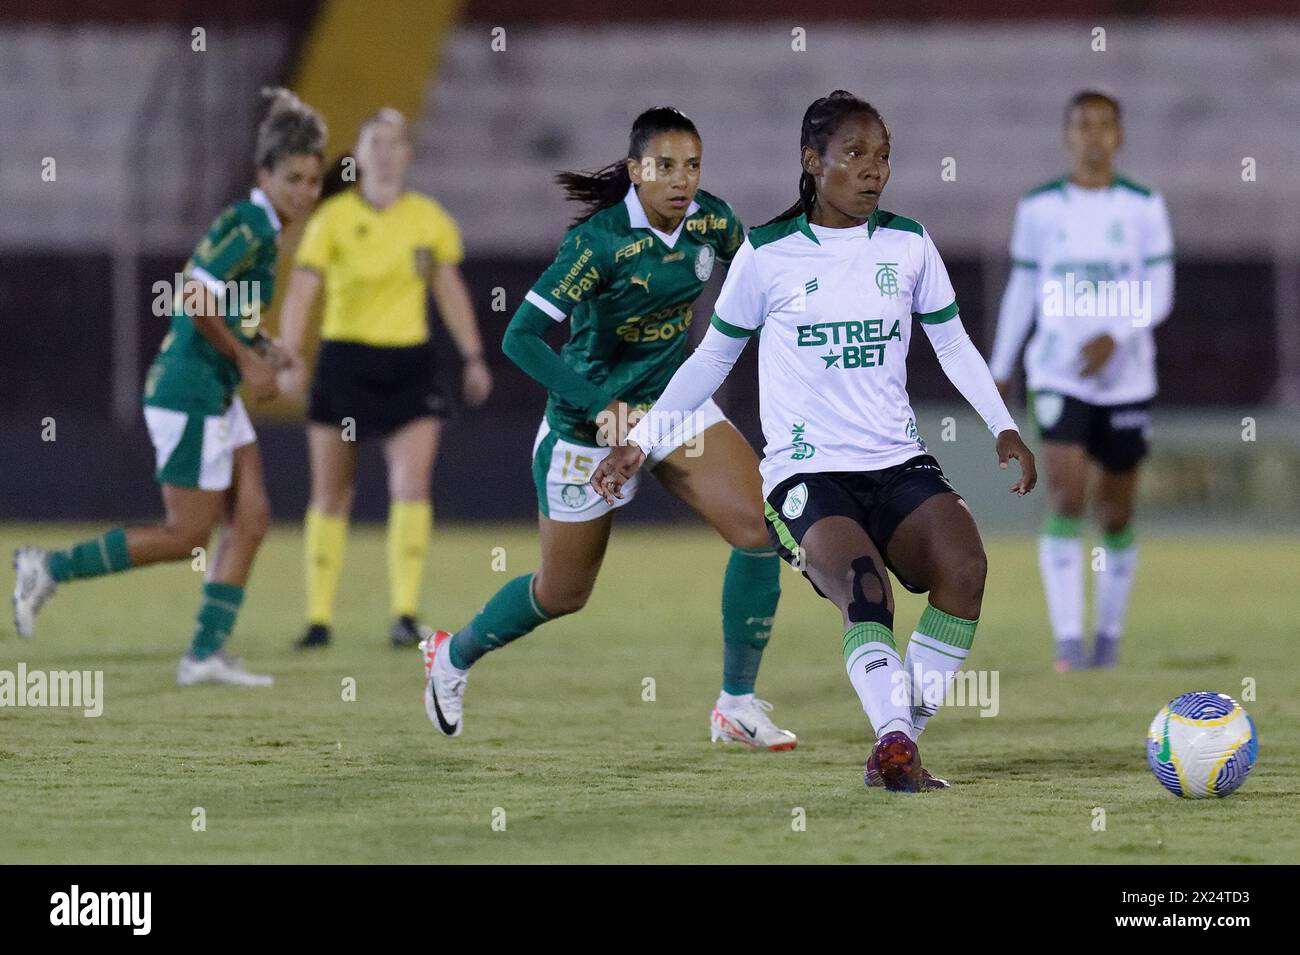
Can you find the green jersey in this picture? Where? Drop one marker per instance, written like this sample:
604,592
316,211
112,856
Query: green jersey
236,261
628,290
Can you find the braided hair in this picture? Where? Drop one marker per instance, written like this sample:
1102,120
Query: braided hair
820,121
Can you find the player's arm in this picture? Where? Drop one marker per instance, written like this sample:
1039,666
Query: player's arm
743,304
219,260
578,273
936,310
316,253
1157,296
1016,314
455,307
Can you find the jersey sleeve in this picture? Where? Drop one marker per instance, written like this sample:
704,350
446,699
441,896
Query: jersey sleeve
1024,244
732,238
933,300
741,308
229,248
1157,236
580,271
316,249
444,237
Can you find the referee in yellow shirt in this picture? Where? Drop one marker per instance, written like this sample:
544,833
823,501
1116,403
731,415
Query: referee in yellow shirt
375,248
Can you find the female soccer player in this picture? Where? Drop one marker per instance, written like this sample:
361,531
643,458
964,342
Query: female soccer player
208,462
626,275
835,283
1090,363
376,249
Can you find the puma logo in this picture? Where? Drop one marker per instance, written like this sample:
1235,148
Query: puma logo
643,282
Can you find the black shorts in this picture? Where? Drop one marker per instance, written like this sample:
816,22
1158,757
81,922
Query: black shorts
1115,436
381,389
876,500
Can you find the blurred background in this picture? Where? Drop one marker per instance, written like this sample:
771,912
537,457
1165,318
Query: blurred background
148,108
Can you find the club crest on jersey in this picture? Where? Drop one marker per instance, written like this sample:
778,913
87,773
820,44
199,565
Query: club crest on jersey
574,495
887,278
796,499
1048,407
704,263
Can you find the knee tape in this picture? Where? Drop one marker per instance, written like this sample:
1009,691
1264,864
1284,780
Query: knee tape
863,609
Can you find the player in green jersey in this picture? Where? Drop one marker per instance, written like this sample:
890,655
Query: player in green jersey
208,462
625,277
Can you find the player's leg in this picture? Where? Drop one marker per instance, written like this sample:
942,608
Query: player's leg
717,475
1115,496
574,524
333,462
842,562
409,452
936,547
1060,548
571,557
247,519
1066,425
192,510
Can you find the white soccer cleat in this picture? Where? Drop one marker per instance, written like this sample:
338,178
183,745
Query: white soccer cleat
444,685
33,585
749,723
218,668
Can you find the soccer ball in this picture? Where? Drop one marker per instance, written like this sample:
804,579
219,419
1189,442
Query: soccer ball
1202,744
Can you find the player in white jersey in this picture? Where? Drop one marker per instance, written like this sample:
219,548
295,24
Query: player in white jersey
1092,257
835,284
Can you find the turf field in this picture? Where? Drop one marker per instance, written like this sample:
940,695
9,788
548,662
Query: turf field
560,746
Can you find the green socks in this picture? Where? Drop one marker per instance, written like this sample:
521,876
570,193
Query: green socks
750,591
511,613
96,557
216,618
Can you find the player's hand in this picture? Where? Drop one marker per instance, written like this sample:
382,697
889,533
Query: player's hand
1096,353
616,470
476,382
613,424
291,379
1010,446
258,375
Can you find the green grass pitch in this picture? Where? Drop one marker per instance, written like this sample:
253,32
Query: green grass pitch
560,746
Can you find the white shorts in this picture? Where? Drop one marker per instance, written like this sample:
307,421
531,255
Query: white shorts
198,451
562,469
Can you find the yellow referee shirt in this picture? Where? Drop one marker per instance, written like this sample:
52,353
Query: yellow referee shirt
376,264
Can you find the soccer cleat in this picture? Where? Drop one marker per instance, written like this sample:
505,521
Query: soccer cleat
217,668
1069,656
1105,654
749,723
405,632
33,585
444,685
317,635
895,763
871,776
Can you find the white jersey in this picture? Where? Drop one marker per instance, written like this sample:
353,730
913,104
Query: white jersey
1087,262
835,308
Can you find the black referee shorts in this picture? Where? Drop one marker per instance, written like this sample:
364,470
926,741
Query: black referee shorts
381,389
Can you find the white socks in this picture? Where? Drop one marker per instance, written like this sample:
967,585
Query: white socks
938,648
876,672
1060,560
1114,580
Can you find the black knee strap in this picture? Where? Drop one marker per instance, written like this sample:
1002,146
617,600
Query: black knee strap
862,609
